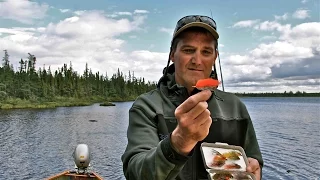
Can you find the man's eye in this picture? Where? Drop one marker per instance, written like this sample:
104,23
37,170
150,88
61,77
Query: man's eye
188,50
207,52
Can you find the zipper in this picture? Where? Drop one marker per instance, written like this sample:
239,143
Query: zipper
217,97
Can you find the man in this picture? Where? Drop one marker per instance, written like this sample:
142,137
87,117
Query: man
168,124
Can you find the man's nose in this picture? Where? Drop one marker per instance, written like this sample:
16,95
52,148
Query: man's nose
196,58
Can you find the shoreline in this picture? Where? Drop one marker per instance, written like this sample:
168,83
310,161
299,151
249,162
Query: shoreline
72,102
50,105
60,102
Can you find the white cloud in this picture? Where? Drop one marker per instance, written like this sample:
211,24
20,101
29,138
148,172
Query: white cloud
156,11
285,64
302,35
17,30
238,77
166,30
238,60
274,85
90,37
294,43
305,34
268,38
139,11
80,12
304,1
283,17
64,10
301,14
245,24
138,20
18,34
124,13
133,37
271,26
92,25
117,14
148,64
23,11
151,46
281,49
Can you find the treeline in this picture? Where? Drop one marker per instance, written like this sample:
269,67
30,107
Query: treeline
284,94
46,85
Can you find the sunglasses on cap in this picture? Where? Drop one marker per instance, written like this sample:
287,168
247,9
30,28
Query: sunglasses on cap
196,20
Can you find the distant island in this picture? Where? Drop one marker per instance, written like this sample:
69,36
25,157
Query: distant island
107,104
42,88
284,94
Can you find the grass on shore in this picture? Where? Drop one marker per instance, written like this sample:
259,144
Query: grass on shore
107,104
16,103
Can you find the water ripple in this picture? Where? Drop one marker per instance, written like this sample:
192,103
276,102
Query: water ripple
40,142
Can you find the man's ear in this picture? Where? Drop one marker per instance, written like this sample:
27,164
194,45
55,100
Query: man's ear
216,55
172,55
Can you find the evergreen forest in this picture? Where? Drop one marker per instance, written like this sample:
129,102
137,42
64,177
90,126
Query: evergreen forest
27,87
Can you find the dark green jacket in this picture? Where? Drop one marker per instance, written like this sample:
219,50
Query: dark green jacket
149,154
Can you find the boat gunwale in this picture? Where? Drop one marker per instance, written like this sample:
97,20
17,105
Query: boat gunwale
70,174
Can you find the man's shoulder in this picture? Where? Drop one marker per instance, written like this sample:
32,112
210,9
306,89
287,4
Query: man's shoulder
150,94
226,95
150,97
229,98
232,103
150,103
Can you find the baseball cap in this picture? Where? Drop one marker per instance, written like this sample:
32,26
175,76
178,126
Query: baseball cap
196,21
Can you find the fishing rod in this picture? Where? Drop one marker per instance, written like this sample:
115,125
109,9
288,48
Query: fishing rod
214,67
220,69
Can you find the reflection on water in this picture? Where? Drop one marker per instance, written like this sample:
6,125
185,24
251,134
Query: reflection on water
288,134
39,143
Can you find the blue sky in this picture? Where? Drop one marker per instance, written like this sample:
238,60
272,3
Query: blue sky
264,45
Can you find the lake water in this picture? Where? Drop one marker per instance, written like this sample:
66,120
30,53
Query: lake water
39,143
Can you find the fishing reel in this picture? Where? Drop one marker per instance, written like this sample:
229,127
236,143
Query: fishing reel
81,157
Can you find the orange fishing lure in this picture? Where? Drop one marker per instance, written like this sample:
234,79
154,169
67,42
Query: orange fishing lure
208,83
232,166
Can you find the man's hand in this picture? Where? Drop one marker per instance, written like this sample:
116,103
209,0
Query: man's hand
254,167
194,122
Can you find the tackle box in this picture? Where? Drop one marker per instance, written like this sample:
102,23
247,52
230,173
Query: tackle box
223,161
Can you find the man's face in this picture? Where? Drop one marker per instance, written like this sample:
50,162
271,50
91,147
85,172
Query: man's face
193,58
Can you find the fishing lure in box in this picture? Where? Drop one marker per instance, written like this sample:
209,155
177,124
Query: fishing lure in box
223,161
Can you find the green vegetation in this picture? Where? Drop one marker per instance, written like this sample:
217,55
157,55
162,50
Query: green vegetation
28,88
285,94
107,104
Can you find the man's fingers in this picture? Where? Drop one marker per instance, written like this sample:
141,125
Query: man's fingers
198,112
206,124
202,117
254,167
205,127
192,101
253,164
257,174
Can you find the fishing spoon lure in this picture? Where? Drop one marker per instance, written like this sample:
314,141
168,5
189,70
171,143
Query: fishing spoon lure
208,83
